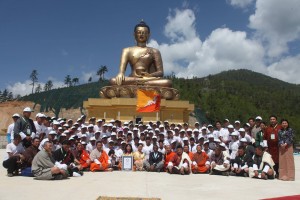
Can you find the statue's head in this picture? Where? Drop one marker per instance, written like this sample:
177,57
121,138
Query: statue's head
141,32
142,24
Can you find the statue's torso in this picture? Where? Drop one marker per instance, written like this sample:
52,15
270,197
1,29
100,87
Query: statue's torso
140,59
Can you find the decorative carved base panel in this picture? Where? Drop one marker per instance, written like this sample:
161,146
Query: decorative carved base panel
129,91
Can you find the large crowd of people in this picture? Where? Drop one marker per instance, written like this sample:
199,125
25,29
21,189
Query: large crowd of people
52,148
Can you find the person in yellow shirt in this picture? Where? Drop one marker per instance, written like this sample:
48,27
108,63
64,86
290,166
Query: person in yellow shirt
138,158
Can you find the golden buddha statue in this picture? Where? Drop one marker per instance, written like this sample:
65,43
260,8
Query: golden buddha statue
146,63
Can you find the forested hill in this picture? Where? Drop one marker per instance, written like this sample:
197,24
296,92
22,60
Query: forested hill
67,97
234,94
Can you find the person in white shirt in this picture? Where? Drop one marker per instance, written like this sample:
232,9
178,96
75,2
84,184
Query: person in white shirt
210,129
91,145
243,134
192,146
225,133
39,126
148,147
10,129
13,156
161,147
206,148
237,125
234,145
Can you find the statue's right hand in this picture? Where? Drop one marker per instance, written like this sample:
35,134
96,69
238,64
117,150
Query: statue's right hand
120,78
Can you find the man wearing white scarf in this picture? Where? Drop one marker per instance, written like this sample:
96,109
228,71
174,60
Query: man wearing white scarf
180,163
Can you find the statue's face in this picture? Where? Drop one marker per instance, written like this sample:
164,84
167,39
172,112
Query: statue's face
141,34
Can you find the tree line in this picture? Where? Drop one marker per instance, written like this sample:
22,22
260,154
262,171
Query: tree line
68,81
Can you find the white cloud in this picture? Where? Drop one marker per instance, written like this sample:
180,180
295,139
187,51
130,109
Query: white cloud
181,25
286,69
277,23
240,3
225,49
24,88
87,75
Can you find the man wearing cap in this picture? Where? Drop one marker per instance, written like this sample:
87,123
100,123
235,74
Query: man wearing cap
110,146
180,163
90,132
10,129
98,126
162,129
196,135
220,163
234,145
155,161
24,126
249,149
197,125
204,133
91,145
43,165
206,148
39,126
243,134
216,133
200,161
225,134
256,128
212,144
237,125
50,138
99,159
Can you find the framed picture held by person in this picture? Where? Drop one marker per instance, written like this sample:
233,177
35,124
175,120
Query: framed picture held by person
127,163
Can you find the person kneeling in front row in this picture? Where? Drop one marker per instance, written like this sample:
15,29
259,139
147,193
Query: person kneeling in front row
43,165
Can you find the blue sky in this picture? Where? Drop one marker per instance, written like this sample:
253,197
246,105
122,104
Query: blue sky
196,37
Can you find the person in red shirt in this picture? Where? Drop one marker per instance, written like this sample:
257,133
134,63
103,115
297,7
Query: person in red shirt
271,139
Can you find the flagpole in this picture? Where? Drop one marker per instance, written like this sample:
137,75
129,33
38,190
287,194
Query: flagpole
157,116
104,115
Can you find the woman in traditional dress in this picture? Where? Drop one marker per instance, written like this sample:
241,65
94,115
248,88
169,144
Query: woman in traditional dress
286,158
138,158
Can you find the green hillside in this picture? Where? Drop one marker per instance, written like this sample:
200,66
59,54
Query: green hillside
67,97
234,94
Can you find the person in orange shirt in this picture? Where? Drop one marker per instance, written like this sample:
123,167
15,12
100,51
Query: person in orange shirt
200,161
186,149
81,156
99,159
168,156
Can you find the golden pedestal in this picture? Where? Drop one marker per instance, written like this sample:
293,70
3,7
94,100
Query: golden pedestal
124,109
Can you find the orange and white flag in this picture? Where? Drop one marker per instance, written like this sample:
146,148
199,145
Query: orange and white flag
147,101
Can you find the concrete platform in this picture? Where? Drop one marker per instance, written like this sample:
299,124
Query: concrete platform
144,184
